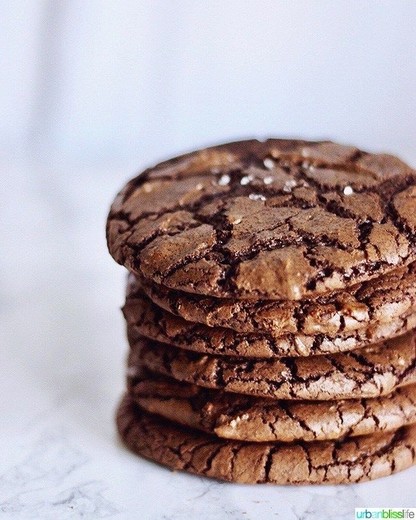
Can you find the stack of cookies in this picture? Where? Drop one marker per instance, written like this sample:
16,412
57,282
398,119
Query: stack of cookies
270,307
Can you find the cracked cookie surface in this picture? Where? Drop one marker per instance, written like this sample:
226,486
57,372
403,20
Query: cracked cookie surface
366,372
353,460
377,301
245,418
277,219
144,318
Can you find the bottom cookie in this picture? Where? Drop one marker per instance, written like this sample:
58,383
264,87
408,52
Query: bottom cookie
320,462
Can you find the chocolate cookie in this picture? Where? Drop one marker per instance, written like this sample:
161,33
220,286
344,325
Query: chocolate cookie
376,301
329,462
267,220
246,418
368,372
144,318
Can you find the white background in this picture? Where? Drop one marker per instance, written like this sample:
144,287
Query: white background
90,92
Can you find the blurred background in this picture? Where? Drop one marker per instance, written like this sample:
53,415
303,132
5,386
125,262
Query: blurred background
132,81
91,92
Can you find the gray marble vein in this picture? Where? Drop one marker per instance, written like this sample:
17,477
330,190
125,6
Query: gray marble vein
82,501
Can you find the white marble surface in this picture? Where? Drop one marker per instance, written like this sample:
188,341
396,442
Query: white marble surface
63,350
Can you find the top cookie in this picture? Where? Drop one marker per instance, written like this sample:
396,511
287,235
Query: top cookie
280,219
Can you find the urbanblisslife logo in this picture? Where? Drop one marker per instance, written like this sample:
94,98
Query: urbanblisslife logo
385,512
